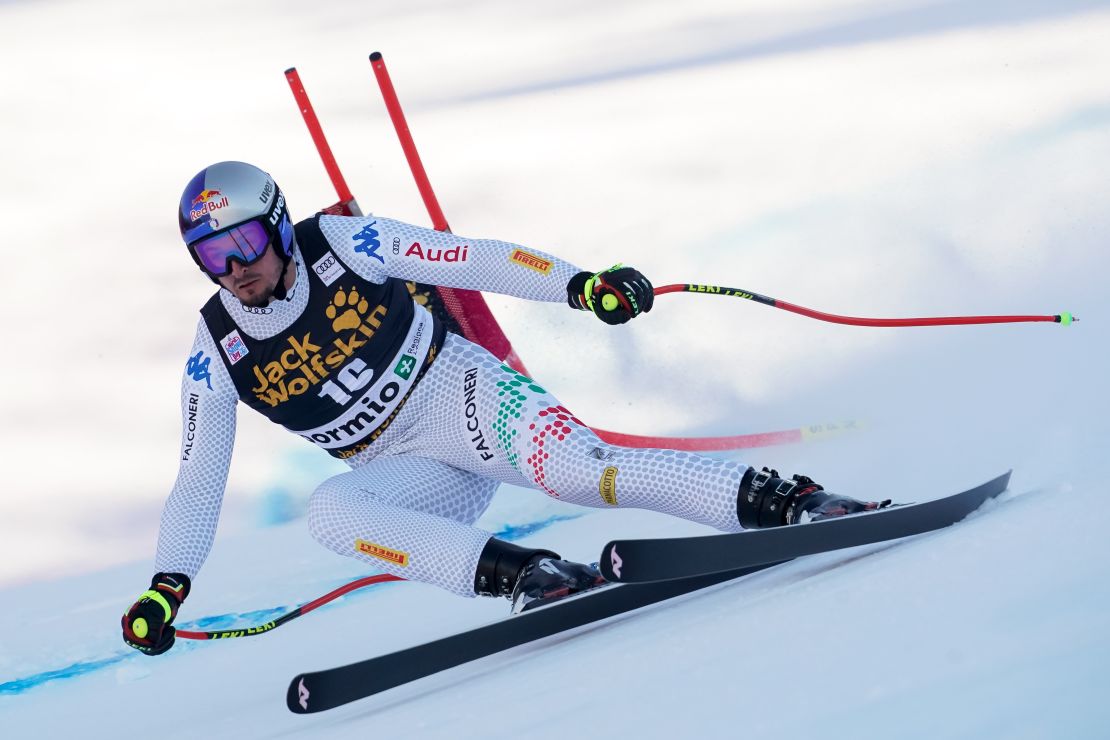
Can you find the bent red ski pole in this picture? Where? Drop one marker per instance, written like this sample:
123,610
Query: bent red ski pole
1060,318
289,616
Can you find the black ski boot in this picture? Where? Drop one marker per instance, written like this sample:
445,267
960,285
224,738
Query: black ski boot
530,577
547,579
767,500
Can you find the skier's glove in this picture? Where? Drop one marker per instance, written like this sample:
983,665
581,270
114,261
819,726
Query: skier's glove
148,624
614,295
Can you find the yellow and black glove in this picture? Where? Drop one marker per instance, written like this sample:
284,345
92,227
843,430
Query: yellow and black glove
614,295
148,624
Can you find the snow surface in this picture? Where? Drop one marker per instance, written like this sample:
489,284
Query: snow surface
859,157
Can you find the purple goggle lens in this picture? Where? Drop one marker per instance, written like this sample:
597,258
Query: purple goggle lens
245,243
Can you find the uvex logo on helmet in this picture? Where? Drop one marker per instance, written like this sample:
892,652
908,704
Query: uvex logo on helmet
206,202
267,191
278,208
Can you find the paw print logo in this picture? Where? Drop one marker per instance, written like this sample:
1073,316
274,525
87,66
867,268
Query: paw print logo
346,310
422,297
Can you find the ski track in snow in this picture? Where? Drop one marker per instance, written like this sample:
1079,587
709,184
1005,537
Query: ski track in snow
927,157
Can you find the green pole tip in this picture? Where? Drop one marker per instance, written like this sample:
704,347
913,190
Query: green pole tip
1067,318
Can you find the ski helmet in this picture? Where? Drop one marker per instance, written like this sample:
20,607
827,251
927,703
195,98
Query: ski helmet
233,211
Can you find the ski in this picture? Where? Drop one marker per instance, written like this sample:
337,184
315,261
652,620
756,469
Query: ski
658,560
326,689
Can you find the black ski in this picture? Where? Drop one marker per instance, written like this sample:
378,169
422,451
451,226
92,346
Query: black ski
326,689
657,560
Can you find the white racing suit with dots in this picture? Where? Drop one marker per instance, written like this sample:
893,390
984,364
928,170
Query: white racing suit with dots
429,422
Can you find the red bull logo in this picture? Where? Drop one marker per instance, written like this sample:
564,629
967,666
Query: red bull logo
206,202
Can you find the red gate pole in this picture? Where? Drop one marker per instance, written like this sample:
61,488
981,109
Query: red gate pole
393,105
346,205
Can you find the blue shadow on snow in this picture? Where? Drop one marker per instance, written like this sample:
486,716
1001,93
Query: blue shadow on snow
227,621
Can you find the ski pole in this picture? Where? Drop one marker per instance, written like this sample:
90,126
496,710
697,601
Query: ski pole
1060,318
291,615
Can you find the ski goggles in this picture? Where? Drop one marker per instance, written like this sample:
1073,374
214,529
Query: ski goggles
245,243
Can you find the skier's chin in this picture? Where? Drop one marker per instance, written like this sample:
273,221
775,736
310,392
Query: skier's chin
255,296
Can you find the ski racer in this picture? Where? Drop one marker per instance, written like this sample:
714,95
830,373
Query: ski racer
314,327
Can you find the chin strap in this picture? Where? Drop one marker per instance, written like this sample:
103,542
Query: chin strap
279,290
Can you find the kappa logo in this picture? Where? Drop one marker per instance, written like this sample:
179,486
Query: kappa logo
198,368
368,243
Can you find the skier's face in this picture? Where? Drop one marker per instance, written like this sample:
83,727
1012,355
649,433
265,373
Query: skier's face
254,284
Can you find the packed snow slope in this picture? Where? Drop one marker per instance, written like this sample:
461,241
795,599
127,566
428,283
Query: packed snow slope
864,158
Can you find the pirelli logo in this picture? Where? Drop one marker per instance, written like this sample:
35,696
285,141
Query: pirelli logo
607,486
531,261
382,553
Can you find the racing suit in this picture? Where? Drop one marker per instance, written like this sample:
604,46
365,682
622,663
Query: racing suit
429,422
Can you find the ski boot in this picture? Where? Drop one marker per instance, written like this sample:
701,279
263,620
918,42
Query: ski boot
767,500
530,578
